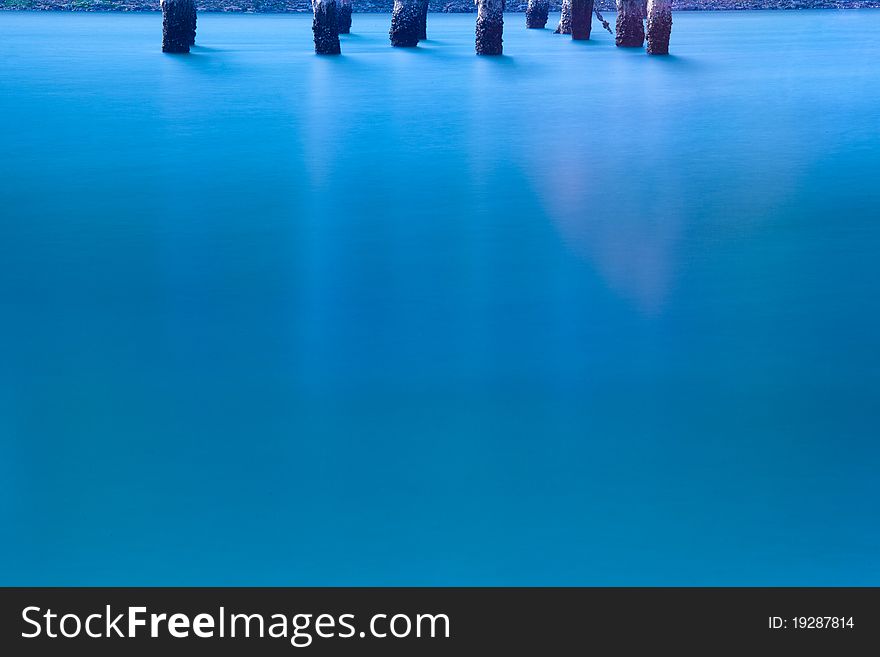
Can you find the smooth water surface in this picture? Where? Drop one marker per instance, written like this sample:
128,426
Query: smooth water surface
575,315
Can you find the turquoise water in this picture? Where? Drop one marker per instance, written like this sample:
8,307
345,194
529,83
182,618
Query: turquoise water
570,316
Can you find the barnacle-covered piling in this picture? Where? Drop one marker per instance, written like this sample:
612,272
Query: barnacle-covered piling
405,23
659,26
536,14
490,26
178,25
630,32
564,26
581,19
192,23
344,19
423,20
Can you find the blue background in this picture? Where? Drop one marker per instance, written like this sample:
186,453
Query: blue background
570,316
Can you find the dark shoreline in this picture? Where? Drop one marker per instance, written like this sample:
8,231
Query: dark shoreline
384,6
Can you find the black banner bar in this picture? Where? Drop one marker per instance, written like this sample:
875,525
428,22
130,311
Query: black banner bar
435,621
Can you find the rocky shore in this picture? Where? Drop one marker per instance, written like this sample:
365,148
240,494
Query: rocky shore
451,6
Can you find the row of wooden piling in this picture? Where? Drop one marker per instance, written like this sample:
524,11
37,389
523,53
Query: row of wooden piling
409,23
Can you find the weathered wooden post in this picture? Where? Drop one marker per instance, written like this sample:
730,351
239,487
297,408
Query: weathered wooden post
564,26
325,26
344,19
423,20
630,29
659,26
405,24
192,23
490,26
178,25
536,14
581,19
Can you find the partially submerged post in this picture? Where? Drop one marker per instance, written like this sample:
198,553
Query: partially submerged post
536,14
423,20
405,24
325,26
630,29
659,26
192,23
344,18
178,25
581,19
564,26
490,26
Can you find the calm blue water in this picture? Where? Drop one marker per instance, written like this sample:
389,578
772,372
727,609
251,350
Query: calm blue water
571,316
